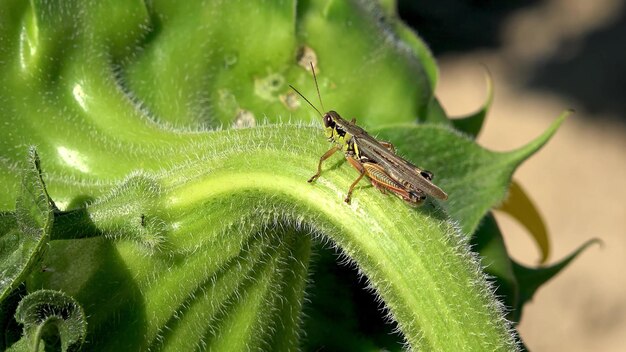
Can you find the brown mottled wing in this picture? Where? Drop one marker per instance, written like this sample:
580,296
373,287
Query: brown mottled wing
398,168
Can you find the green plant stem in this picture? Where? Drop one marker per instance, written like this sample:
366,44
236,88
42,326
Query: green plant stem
201,218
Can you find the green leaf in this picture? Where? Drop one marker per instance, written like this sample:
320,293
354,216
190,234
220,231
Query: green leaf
530,279
473,123
494,257
96,86
474,178
435,114
408,37
24,233
366,63
341,312
52,318
11,330
515,283
214,275
521,208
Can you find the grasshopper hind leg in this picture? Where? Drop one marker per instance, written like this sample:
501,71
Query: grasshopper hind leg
349,195
362,171
379,186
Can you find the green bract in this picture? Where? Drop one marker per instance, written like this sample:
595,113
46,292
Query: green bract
157,229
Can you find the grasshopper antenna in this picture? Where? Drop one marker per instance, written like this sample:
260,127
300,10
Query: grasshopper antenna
319,96
307,100
318,93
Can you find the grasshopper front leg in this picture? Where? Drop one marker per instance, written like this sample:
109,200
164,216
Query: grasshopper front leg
326,155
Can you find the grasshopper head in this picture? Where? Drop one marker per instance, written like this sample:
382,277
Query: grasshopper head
330,123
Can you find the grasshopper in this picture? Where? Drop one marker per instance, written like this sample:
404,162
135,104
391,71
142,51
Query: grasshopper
373,158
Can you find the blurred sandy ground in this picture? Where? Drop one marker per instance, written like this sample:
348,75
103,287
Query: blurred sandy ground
578,181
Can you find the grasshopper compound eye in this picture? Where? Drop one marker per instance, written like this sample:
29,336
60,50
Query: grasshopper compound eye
328,121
